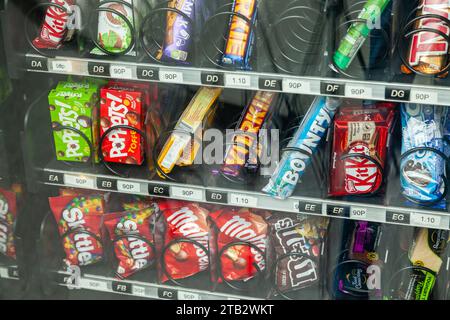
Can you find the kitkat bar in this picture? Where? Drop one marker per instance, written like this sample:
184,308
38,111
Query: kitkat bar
360,130
122,105
55,27
428,51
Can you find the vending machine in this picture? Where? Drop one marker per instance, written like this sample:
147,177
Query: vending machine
225,149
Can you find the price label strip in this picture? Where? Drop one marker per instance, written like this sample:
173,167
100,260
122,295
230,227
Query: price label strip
79,181
62,66
188,193
128,187
237,80
121,72
171,76
426,220
243,200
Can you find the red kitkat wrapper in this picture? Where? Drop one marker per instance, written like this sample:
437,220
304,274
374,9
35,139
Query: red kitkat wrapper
240,262
184,221
79,222
8,214
360,130
120,105
55,25
131,235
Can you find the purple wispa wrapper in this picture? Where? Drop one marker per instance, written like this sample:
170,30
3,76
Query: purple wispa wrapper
179,32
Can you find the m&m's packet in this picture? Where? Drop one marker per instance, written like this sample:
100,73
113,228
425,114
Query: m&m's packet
79,222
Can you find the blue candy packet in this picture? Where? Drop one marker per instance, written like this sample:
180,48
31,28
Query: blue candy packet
311,131
422,172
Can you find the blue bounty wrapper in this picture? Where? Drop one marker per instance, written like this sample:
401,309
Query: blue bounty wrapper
311,131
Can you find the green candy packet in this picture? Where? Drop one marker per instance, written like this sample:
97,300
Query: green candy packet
74,105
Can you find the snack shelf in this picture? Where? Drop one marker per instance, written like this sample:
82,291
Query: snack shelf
139,289
257,200
349,88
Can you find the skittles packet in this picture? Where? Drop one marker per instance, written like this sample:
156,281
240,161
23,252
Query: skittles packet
79,222
133,242
8,213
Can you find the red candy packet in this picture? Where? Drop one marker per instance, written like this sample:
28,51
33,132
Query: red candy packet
188,223
360,130
79,222
8,214
132,238
239,262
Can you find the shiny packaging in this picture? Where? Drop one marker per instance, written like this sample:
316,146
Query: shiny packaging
241,35
422,172
428,51
245,141
311,131
179,31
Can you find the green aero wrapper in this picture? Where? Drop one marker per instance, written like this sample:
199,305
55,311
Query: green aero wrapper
358,32
312,129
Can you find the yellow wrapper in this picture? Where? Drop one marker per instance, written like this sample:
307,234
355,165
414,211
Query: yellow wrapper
180,145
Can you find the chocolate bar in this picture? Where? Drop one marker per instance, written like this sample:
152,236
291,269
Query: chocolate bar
428,51
362,131
239,154
56,25
179,31
241,35
179,149
311,131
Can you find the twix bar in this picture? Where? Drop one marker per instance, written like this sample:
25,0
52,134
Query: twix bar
428,51
245,139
